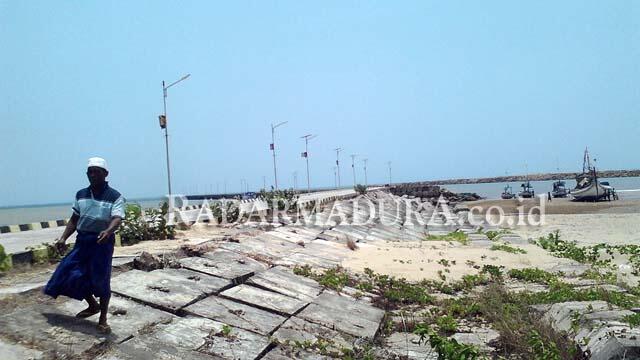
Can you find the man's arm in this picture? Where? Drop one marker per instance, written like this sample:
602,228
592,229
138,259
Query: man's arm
113,226
70,229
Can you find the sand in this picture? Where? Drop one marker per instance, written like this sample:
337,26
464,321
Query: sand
420,260
587,223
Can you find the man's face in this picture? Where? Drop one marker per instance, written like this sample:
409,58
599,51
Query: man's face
96,175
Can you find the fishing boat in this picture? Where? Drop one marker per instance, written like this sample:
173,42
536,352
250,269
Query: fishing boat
588,187
559,189
507,193
527,190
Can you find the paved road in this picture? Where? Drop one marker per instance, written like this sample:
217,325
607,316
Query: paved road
16,242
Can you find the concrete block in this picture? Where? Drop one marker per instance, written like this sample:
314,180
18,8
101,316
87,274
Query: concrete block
281,353
236,314
282,280
298,330
168,289
17,351
192,338
352,317
264,299
407,345
54,325
225,264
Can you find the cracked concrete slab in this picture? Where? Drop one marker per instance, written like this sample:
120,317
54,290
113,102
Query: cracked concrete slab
55,327
192,338
284,281
302,258
16,351
280,353
296,330
225,264
236,314
352,317
264,299
169,289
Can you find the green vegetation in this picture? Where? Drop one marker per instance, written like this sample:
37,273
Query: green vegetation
600,255
541,349
360,189
633,320
150,224
447,324
458,236
5,260
447,349
533,275
494,234
280,199
508,248
225,211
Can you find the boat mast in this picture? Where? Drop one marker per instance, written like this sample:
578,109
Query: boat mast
586,162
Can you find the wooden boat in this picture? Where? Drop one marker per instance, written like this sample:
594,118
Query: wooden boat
559,189
527,190
588,188
507,193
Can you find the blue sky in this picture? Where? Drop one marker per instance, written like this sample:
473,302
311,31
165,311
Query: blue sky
441,89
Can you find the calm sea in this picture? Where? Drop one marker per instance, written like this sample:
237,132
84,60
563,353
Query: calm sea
36,213
627,187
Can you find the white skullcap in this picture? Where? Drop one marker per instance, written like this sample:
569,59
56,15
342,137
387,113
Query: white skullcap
99,162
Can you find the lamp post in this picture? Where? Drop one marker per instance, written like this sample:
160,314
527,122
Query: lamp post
353,168
337,150
335,176
273,148
305,155
389,164
365,171
295,181
163,125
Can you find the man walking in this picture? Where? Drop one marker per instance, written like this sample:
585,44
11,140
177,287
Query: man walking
86,271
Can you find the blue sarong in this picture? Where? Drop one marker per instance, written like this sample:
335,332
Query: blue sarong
85,271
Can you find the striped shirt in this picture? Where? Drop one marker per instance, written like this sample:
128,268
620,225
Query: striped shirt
97,210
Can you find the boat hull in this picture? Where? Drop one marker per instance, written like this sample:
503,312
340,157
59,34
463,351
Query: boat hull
595,191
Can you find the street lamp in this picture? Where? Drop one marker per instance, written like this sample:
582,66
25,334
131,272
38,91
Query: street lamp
353,168
389,164
305,155
337,150
163,125
273,148
365,171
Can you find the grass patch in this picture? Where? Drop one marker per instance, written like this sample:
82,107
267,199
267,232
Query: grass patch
458,236
521,331
507,248
534,275
632,320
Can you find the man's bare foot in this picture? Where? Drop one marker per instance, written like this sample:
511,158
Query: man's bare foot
88,312
104,329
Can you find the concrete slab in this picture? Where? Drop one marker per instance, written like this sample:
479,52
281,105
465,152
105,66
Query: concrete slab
225,264
296,330
236,314
193,338
16,351
407,346
301,258
54,325
264,299
280,353
272,250
352,317
284,281
168,289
